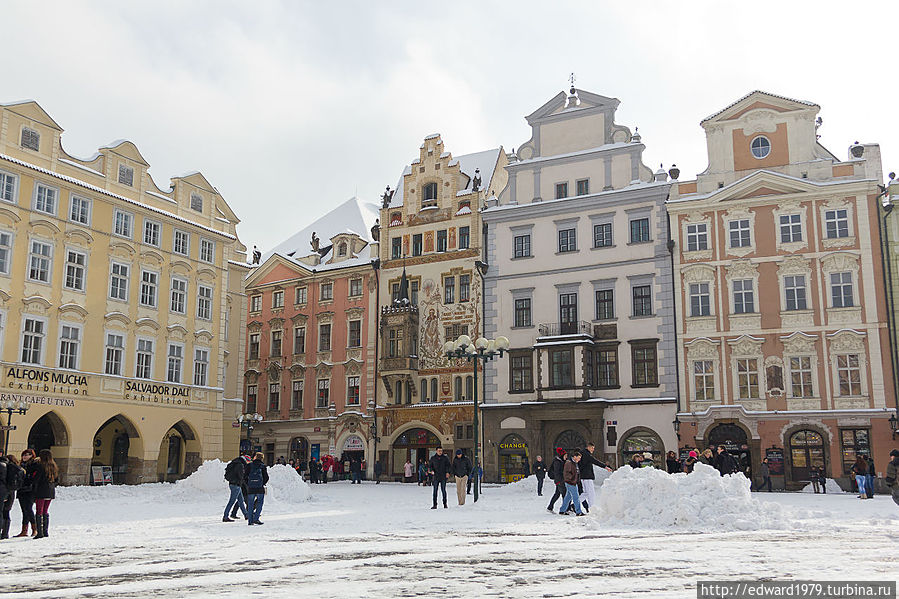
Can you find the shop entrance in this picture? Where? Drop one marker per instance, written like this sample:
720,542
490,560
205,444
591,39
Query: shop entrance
114,442
734,440
806,453
353,449
416,445
299,450
513,459
642,441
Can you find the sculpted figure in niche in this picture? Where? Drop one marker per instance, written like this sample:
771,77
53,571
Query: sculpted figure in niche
775,378
386,197
376,230
316,242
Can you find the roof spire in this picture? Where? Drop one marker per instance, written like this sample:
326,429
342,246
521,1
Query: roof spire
403,296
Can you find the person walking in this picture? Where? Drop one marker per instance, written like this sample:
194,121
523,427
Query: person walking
5,492
893,474
571,476
766,475
46,474
234,474
588,476
15,476
26,493
461,471
540,472
555,475
724,462
243,493
673,464
256,475
439,466
378,471
816,479
422,474
869,477
860,470
356,471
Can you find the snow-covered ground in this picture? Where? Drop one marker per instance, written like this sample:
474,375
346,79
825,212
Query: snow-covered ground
651,536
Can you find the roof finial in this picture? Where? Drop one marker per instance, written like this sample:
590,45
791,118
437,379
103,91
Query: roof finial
572,78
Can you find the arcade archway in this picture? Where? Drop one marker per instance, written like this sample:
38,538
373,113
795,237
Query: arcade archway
117,444
179,453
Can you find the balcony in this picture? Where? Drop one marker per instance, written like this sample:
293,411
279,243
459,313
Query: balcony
400,363
556,329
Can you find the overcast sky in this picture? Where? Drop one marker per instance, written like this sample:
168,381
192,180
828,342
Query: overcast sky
290,108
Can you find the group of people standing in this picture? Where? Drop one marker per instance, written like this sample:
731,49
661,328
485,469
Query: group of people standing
573,476
440,469
32,479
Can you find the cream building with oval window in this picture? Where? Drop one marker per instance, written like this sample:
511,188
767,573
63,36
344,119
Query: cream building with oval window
121,307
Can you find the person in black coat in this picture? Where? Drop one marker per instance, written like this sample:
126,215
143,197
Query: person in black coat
588,477
356,471
461,471
46,474
26,493
555,474
724,462
439,467
256,476
5,493
234,474
673,464
540,472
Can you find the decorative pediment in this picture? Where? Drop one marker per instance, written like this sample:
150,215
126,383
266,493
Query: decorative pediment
72,312
324,317
839,262
355,312
79,237
148,323
274,370
4,297
847,340
763,183
799,343
703,348
121,250
299,319
746,345
741,269
353,367
559,102
297,369
42,226
203,335
254,326
177,332
8,217
276,324
699,273
36,305
322,370
117,318
180,267
794,265
206,274
758,101
151,256
251,375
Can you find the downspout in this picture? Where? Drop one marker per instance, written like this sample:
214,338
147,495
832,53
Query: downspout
376,265
886,270
674,288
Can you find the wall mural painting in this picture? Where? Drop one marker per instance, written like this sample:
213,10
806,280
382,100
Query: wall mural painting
435,317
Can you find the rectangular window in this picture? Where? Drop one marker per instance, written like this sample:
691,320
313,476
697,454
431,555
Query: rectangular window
523,312
126,175
605,304
522,369
277,299
201,366
582,186
841,289
567,240
204,302
748,378
256,303
644,359
251,399
703,380
118,281
254,346
7,187
299,340
561,190
464,288
849,374
181,243
5,251
744,297
296,396
607,367
324,337
80,210
40,264
115,350
300,295
441,240
152,232
148,285
413,292
836,223
31,139
196,202
69,345
642,296
416,245
327,292
560,368
176,355
355,287
794,291
567,312
700,299
589,369
522,246
602,235
179,295
739,233
207,250
352,391
45,198
75,264
640,230
324,393
854,442
144,367
274,397
801,376
123,224
464,238
395,342
697,237
396,248
790,228
276,343
354,336
449,290
33,341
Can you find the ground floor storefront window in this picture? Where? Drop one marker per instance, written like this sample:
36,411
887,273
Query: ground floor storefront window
806,454
415,445
643,441
853,443
513,459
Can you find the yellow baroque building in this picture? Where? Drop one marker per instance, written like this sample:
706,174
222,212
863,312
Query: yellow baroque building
121,308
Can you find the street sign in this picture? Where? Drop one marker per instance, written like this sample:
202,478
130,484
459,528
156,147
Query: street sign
7,427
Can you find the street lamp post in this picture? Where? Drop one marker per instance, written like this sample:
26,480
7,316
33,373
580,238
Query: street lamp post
249,421
481,349
9,406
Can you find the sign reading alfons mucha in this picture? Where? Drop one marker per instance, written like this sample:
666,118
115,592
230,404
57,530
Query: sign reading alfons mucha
20,379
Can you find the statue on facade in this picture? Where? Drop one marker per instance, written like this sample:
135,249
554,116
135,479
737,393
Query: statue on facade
376,230
257,255
476,182
386,197
315,242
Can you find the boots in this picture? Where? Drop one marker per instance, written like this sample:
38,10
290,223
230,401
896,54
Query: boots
4,531
46,525
24,532
39,525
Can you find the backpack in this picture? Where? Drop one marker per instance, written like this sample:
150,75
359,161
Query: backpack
15,477
231,474
255,480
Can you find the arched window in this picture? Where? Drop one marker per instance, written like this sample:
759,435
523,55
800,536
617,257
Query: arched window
469,388
409,392
806,453
434,389
424,390
458,390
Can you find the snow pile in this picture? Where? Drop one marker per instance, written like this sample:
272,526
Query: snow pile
208,479
702,501
285,485
831,487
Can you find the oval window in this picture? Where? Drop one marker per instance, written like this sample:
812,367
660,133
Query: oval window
760,146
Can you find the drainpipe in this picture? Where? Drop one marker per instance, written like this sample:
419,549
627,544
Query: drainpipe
376,266
674,289
886,270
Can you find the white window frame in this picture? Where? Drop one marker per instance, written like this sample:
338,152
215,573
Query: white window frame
76,327
356,281
812,374
138,352
852,288
180,362
296,295
43,338
321,291
82,266
836,220
278,299
152,226
705,374
201,367
740,229
794,220
8,248
127,219
255,303
127,278
140,299
743,291
107,346
764,147
201,300
183,293
358,380
747,374
49,259
186,235
5,177
787,288
84,203
207,246
699,292
297,386
862,364
38,186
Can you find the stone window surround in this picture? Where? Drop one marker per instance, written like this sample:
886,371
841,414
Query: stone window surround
704,349
637,281
733,214
563,224
837,204
605,285
800,345
793,266
697,218
787,209
638,213
846,342
700,273
522,293
837,262
747,347
520,230
605,218
740,270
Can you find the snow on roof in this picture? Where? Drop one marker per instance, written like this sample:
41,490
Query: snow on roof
82,167
464,210
113,144
350,217
485,161
18,102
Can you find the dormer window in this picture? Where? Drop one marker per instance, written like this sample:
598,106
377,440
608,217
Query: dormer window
126,175
429,194
31,139
760,147
196,202
341,249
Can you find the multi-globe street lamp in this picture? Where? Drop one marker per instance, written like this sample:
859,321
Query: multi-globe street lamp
19,406
480,349
249,421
